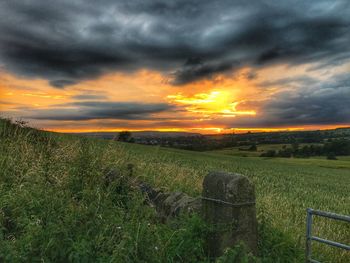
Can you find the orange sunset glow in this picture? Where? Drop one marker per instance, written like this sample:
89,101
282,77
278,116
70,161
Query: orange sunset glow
140,71
201,107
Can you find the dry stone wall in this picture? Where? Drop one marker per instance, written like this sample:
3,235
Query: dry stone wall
227,205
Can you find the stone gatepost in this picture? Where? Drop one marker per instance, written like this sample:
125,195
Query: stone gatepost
228,205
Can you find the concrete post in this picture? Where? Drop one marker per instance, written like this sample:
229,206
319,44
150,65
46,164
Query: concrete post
228,205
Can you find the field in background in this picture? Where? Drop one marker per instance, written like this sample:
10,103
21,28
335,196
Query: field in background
342,162
56,179
243,151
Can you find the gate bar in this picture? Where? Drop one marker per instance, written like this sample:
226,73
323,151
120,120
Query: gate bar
329,215
309,236
331,243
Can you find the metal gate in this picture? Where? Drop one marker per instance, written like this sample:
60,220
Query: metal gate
310,237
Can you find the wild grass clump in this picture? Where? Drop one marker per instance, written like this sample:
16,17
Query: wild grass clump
56,205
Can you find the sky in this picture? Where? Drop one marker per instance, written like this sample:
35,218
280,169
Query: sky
182,65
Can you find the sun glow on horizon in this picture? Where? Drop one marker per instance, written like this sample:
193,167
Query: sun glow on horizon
212,104
201,130
217,106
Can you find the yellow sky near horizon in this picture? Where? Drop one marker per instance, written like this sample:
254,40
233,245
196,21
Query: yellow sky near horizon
197,106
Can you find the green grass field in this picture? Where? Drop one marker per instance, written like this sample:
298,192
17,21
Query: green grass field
262,148
54,205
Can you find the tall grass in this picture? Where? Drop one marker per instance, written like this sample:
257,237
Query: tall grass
56,206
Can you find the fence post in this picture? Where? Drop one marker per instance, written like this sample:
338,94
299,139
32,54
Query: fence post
228,205
308,235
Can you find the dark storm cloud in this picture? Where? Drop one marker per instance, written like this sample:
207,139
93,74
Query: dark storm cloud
327,107
61,83
318,103
94,110
67,41
195,70
283,82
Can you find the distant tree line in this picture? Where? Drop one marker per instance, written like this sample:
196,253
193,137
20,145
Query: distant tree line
331,149
321,143
125,136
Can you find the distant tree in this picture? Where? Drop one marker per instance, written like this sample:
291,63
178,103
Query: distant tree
331,156
286,153
295,146
125,136
253,148
269,153
338,147
303,152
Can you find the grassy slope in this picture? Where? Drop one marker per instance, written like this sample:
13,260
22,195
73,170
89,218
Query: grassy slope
58,181
55,205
